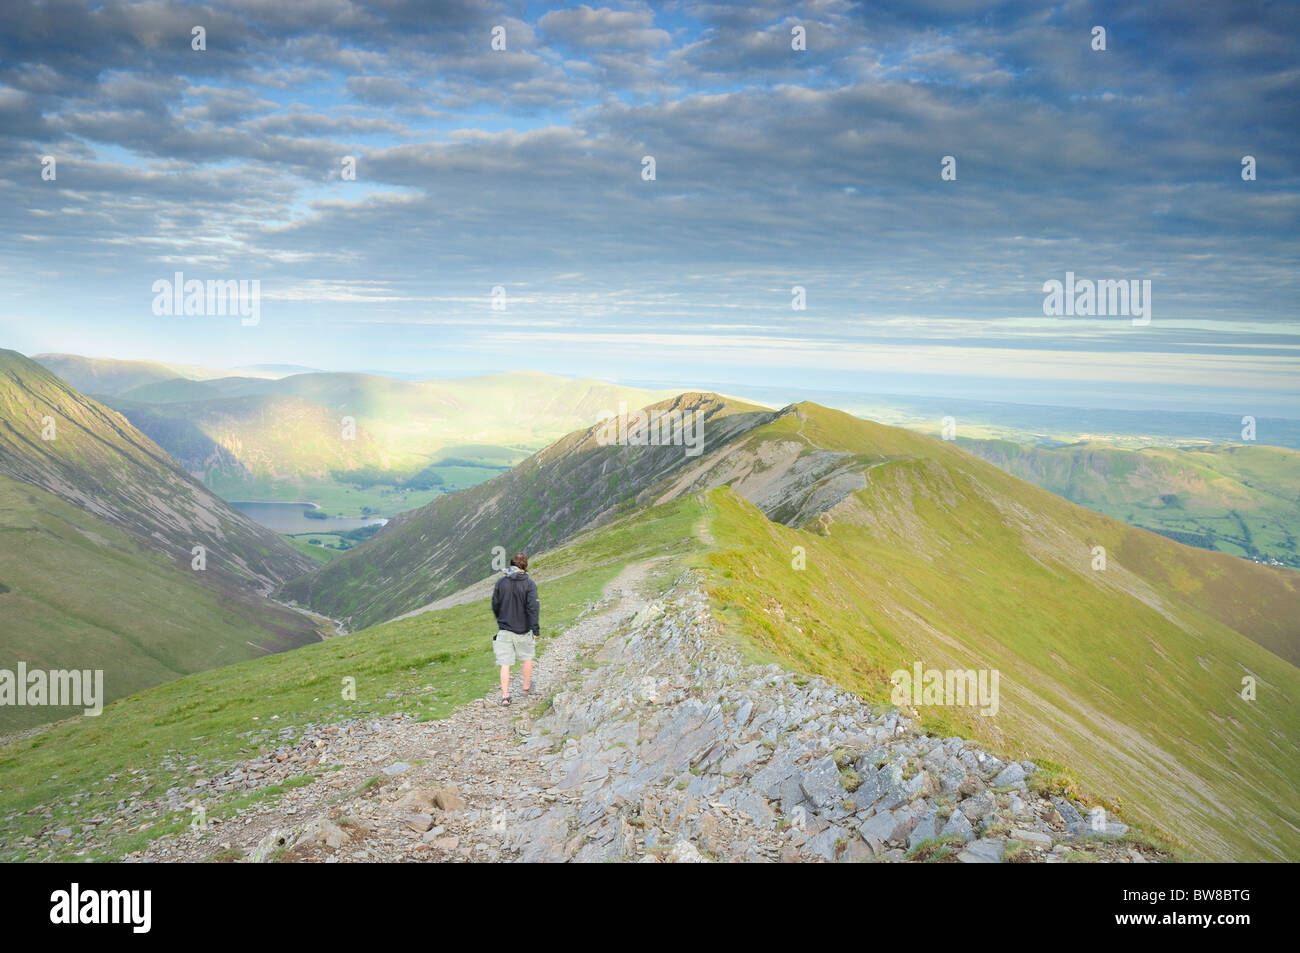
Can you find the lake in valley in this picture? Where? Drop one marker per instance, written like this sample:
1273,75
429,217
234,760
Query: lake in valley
290,518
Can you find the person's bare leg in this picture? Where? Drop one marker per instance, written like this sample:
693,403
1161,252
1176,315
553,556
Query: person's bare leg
505,681
528,674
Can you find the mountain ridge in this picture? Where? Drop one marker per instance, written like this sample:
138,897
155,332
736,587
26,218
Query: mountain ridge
420,555
851,549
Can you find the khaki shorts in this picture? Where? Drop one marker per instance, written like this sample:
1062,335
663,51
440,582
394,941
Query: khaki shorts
511,647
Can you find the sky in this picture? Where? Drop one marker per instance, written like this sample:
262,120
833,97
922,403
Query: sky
774,168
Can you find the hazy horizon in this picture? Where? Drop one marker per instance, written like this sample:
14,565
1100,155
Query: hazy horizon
916,411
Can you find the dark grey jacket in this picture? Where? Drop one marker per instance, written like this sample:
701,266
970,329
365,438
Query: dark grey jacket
515,603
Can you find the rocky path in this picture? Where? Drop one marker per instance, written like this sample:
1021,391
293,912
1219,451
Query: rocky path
649,740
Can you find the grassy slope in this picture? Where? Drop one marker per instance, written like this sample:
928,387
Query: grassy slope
1261,602
1131,676
428,665
80,593
1240,499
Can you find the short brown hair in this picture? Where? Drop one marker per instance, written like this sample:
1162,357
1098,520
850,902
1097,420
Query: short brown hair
520,560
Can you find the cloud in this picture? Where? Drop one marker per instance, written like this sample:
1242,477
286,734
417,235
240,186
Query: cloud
584,28
774,167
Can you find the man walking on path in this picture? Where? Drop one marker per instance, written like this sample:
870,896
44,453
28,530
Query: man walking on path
515,606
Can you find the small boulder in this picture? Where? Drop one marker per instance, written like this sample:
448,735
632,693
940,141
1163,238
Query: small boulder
987,850
418,822
1031,837
448,799
420,801
959,825
977,805
1013,775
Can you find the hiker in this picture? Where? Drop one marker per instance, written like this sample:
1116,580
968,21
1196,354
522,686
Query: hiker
515,605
